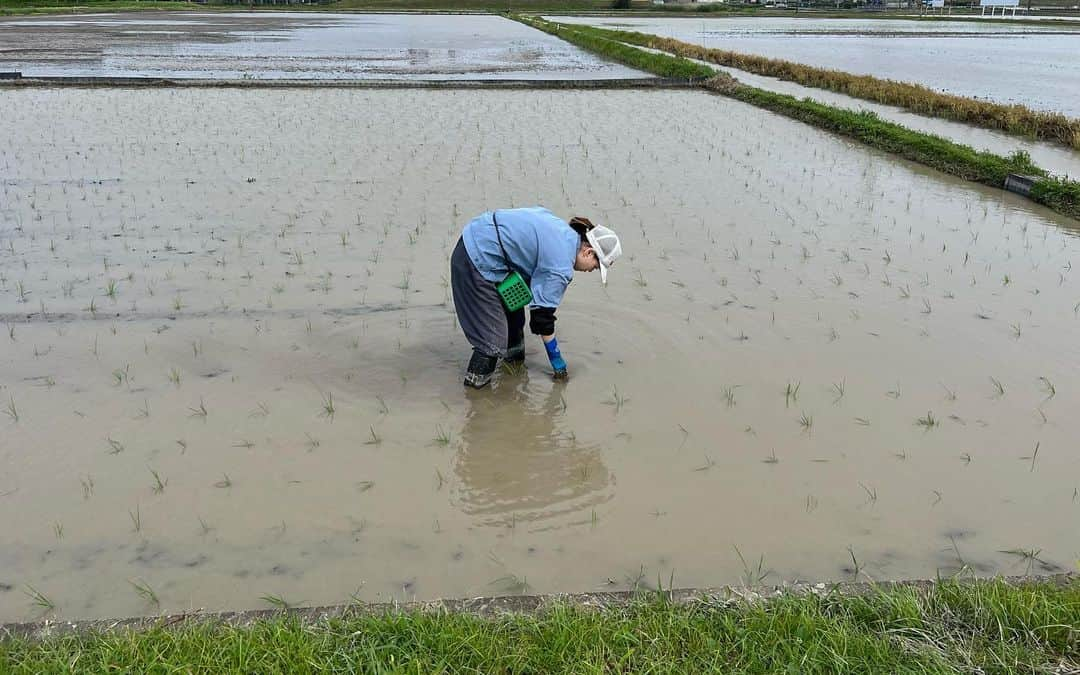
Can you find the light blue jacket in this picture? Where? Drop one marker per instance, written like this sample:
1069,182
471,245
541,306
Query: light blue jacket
541,247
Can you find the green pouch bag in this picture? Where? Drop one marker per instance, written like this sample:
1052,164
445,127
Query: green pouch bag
514,292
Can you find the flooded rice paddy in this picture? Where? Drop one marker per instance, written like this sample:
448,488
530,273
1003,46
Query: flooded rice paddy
292,45
1008,63
230,370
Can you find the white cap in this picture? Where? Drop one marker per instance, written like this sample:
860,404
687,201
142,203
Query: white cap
605,242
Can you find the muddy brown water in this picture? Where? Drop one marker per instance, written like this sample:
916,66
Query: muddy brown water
292,45
279,252
1008,63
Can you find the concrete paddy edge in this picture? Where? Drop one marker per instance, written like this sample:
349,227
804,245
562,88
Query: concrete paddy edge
496,605
159,82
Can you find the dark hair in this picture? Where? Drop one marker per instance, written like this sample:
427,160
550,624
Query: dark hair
581,225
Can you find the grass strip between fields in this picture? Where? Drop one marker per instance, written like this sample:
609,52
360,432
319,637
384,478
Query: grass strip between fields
952,626
1018,120
960,160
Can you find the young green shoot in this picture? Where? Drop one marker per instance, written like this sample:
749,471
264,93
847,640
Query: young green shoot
999,388
617,400
839,389
1048,388
752,576
276,601
39,599
199,411
871,494
328,408
442,436
145,592
159,485
224,483
928,422
791,393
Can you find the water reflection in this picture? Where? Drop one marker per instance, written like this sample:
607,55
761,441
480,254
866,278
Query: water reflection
518,461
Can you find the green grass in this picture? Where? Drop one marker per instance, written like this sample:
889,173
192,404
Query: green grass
988,627
658,64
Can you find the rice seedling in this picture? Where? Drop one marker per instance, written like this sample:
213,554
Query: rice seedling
1048,388
1016,329
87,483
204,529
752,576
791,393
224,483
375,438
709,463
277,601
728,394
199,411
365,485
159,485
145,592
383,408
871,494
950,395
442,436
1028,556
855,567
894,393
12,410
312,443
999,388
246,444
328,409
617,400
928,422
111,289
115,447
177,303
58,530
806,422
39,599
839,389
772,458
136,519
1033,456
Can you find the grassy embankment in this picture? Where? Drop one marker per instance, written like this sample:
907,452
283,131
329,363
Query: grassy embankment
942,154
950,627
1014,119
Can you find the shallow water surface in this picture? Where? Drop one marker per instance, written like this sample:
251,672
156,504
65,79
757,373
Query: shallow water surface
292,45
1003,62
230,369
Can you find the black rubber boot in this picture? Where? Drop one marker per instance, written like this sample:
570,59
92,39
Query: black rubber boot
516,353
481,368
